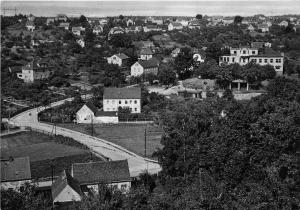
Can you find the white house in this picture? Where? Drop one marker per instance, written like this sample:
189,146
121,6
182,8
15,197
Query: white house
283,23
198,58
194,24
77,30
263,27
146,54
116,30
149,28
35,71
143,67
130,22
118,59
15,172
175,52
81,42
113,98
114,174
30,26
62,17
64,25
174,25
66,189
98,29
88,113
250,28
183,22
244,55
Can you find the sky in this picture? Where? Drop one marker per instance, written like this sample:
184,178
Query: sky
154,8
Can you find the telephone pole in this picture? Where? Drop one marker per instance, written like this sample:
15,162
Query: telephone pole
145,141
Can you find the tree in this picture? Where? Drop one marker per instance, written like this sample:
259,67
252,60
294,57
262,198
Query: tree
183,63
150,78
166,75
238,20
228,94
199,16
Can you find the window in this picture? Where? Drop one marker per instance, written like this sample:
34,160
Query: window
254,60
126,102
253,52
107,101
232,59
130,101
120,102
266,60
234,52
279,60
107,109
244,51
135,109
123,186
277,67
135,101
271,60
260,60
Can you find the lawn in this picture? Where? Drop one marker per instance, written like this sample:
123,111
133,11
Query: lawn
129,136
43,149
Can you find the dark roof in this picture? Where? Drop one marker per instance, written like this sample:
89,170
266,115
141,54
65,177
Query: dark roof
146,51
15,169
122,56
101,172
29,23
269,53
151,63
64,180
176,24
91,106
257,45
122,93
107,114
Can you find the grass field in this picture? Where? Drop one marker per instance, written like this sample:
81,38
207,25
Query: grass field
43,149
131,137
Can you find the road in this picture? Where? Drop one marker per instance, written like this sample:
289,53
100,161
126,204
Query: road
137,164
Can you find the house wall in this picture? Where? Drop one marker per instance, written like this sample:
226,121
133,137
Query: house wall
114,60
84,115
151,70
145,57
67,194
15,185
26,76
123,186
114,104
276,62
136,70
106,119
41,74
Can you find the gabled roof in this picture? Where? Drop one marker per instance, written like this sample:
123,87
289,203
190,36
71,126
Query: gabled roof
122,56
30,23
146,51
122,93
175,24
65,179
151,63
91,106
15,169
101,172
108,114
64,24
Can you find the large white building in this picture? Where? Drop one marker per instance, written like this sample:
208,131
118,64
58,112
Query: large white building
113,98
244,55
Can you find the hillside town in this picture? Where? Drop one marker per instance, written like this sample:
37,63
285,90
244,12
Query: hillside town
150,112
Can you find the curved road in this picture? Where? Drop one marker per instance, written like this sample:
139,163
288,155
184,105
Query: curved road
137,164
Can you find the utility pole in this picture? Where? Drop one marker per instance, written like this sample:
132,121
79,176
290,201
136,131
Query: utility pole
145,141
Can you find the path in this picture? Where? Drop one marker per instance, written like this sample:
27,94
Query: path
137,164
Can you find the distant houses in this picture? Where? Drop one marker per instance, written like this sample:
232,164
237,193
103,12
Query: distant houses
263,27
97,29
77,30
115,98
175,26
194,24
30,26
66,26
146,54
149,28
